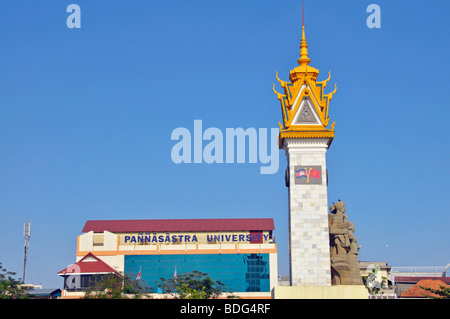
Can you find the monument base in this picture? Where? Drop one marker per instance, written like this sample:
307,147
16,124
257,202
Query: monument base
317,292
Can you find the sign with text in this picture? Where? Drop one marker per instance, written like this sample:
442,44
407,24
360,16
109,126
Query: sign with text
252,237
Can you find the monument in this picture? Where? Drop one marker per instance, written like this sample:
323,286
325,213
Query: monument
344,248
305,136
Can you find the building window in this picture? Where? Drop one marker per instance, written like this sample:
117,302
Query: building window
80,282
239,272
98,240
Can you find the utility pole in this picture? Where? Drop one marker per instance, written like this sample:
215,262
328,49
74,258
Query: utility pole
26,237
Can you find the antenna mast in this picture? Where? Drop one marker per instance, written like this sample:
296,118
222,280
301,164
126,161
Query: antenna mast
26,237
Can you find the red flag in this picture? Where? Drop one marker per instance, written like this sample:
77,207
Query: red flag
314,173
139,274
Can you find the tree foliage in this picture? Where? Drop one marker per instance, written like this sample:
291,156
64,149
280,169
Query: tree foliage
113,286
443,293
194,285
10,288
190,293
371,282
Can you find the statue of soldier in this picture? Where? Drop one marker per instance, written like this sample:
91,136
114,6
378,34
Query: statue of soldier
343,247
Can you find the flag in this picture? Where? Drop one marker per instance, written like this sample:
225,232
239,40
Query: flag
139,274
308,175
301,173
314,173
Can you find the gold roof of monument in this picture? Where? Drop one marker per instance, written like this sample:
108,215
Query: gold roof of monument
304,104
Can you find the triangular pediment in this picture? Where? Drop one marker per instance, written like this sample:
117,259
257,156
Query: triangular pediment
90,258
89,264
306,114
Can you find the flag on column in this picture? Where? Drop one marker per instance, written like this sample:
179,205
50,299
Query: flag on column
314,173
301,173
139,274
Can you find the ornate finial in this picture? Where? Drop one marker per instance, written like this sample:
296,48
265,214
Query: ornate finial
304,59
303,86
303,12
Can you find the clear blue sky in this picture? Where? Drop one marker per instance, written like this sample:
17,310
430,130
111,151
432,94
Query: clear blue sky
86,117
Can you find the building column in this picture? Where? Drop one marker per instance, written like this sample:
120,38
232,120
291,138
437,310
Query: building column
309,248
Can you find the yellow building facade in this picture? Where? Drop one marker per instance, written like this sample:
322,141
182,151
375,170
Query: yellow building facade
241,253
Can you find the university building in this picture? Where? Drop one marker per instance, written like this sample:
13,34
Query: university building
241,253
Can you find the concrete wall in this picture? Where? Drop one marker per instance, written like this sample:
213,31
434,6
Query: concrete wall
308,216
315,292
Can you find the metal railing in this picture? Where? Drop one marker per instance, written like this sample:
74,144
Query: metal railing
436,270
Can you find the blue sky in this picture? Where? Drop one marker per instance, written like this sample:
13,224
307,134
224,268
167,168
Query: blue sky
86,117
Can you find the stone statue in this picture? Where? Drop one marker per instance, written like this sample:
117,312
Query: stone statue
343,248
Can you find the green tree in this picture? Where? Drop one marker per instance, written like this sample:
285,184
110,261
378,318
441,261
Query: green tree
194,285
113,286
10,288
443,293
371,282
190,293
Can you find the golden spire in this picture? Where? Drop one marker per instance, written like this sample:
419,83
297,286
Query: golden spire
304,59
303,86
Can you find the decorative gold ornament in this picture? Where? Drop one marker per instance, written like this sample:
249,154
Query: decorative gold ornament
304,105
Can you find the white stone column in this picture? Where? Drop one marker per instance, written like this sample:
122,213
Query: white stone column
309,249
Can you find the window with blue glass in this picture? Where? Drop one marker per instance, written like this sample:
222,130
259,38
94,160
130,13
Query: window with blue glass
239,272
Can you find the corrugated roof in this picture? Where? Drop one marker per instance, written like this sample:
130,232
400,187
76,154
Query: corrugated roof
178,225
89,264
45,291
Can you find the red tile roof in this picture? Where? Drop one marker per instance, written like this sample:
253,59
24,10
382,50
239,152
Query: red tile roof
178,225
417,292
89,264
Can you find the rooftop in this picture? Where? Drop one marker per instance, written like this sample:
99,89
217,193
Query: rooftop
417,292
178,225
89,264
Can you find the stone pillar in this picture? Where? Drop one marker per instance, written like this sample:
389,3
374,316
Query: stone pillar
309,248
